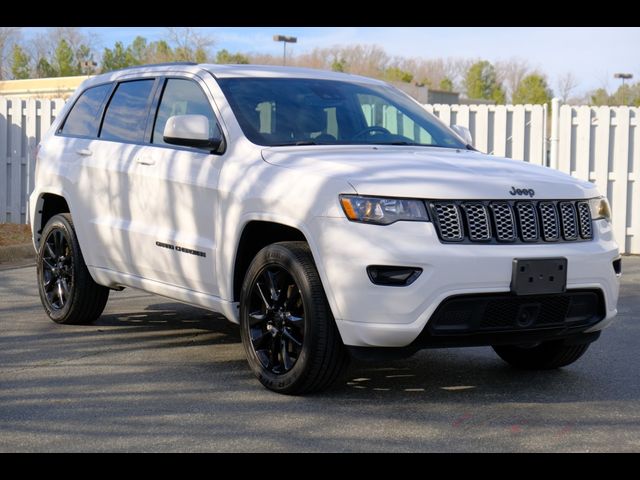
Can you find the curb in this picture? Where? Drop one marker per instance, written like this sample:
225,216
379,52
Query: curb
12,253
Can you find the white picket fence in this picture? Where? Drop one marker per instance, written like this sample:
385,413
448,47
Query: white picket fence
599,144
22,123
513,131
602,145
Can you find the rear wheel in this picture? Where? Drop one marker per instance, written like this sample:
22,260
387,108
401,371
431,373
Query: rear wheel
68,293
545,356
289,335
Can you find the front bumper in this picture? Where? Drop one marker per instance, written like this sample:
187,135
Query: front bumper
370,315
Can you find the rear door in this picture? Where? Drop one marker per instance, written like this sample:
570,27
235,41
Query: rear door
118,226
75,144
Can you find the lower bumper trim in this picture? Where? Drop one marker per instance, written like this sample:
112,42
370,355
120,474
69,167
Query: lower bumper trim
505,318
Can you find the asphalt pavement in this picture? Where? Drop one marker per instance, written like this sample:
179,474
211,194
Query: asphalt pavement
155,375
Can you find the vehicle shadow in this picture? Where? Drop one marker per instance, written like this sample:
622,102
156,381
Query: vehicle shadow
167,376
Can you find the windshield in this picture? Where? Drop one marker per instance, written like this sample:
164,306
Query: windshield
299,111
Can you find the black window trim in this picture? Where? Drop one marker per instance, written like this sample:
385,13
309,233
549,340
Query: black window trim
152,111
155,110
154,87
100,115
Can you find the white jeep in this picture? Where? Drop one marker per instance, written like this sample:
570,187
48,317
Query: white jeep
328,214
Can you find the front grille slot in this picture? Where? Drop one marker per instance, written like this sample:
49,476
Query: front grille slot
568,216
449,221
502,221
527,221
550,226
477,222
584,216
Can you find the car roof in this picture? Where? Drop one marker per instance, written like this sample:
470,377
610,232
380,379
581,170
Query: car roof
231,71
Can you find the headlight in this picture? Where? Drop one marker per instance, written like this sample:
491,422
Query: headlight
600,208
383,211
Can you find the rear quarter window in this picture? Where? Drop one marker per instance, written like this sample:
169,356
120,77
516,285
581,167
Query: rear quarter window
84,118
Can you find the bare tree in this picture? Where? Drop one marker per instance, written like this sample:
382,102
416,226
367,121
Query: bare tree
74,36
189,45
510,73
566,84
42,47
8,35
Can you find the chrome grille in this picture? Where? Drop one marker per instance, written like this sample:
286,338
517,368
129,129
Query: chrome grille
568,217
527,221
449,221
503,221
550,226
477,221
584,216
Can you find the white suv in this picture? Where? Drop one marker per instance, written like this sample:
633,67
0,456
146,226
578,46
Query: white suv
328,214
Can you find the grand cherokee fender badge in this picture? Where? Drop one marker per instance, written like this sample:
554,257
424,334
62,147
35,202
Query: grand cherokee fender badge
530,192
178,248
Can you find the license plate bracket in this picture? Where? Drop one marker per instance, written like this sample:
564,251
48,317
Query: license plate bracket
535,276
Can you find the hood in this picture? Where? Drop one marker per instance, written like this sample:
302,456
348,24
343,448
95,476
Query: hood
430,172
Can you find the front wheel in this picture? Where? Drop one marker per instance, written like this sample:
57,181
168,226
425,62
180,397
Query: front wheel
545,356
68,293
289,335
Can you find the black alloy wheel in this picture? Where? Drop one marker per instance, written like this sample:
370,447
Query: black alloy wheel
57,269
68,293
289,335
276,319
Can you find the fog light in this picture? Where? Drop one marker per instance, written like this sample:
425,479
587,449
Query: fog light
393,276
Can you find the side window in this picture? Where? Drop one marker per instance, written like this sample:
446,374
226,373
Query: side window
83,119
126,114
182,97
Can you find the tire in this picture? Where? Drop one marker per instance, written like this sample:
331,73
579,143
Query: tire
288,332
545,356
67,292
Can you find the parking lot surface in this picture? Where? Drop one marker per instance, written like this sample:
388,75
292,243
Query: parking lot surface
155,375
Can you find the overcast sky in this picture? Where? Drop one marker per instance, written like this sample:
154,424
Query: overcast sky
592,54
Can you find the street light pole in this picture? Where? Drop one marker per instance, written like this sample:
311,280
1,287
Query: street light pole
623,77
284,39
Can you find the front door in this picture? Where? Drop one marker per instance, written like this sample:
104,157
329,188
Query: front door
174,197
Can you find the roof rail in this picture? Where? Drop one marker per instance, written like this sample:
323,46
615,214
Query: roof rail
165,64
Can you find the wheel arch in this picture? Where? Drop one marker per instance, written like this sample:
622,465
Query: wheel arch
255,235
49,203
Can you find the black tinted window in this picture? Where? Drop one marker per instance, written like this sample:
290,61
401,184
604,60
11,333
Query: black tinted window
83,119
126,114
182,97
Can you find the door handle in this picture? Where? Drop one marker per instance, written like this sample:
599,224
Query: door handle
145,161
85,152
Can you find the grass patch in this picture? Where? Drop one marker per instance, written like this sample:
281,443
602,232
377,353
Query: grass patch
14,234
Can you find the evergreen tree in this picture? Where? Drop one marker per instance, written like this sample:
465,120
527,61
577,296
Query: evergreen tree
446,84
20,63
481,82
532,89
64,60
223,56
44,69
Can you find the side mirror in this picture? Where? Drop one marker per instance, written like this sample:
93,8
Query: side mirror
190,131
464,133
